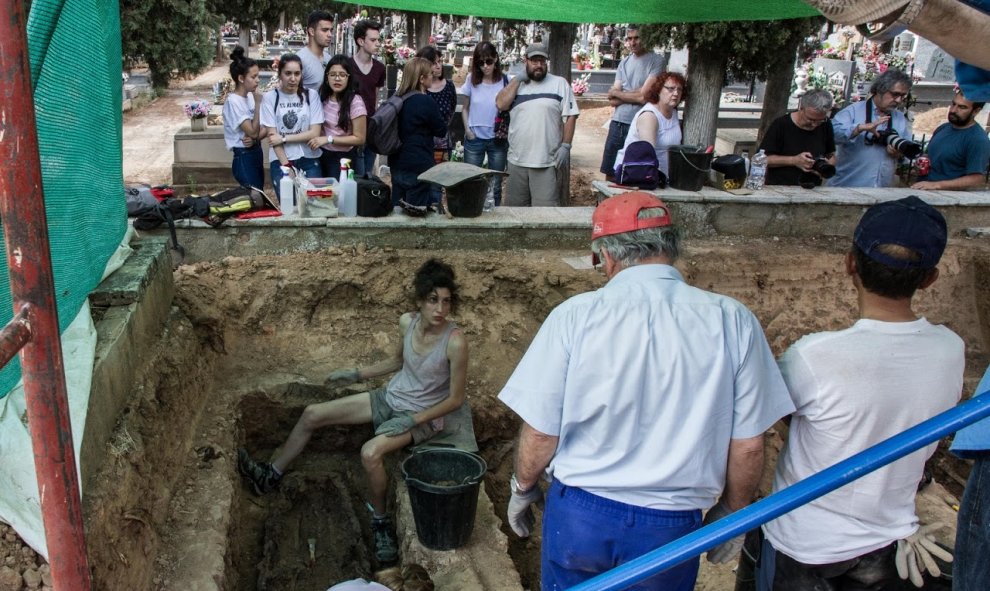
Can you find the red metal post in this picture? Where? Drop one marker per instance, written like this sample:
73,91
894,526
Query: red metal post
22,211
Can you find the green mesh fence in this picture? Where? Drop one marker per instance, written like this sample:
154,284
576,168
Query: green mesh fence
75,68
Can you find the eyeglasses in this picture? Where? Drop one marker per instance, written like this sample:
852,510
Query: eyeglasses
813,120
338,75
673,89
897,95
487,62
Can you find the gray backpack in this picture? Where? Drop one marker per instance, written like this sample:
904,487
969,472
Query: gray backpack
383,126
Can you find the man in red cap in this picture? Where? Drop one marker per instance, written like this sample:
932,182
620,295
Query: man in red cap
645,402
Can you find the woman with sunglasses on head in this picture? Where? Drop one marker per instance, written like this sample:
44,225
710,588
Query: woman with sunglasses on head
419,123
292,115
657,121
345,117
480,87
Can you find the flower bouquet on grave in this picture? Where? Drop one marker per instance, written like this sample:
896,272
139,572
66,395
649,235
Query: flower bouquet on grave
580,85
403,54
198,109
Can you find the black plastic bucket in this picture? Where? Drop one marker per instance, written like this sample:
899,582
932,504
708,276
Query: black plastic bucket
443,491
467,199
689,166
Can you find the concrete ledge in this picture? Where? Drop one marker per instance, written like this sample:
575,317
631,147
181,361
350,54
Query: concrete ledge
796,212
134,301
507,228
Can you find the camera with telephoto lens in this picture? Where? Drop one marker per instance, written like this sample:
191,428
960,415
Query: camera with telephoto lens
823,167
890,137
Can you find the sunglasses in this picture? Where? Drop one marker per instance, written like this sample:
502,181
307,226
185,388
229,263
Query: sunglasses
487,62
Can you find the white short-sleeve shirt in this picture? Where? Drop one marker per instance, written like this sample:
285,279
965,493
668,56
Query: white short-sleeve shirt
854,388
292,114
536,121
236,110
645,381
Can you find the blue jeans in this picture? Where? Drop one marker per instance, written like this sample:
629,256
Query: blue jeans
617,133
310,166
248,167
585,535
364,163
407,187
971,569
474,153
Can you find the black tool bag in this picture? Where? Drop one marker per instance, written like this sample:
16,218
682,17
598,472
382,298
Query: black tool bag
374,198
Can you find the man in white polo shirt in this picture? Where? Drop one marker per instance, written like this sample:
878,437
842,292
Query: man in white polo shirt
646,402
542,117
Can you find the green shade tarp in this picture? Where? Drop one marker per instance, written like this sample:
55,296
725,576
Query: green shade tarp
582,11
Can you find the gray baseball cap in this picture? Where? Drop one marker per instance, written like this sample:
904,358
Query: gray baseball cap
536,49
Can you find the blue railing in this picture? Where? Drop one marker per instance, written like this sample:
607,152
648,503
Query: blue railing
791,497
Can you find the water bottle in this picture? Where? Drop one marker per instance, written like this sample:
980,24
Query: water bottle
349,191
758,172
286,192
490,193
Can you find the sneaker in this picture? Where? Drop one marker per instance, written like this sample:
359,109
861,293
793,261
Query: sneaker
262,476
386,546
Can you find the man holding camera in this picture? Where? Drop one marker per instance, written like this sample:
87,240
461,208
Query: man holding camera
959,150
800,149
871,135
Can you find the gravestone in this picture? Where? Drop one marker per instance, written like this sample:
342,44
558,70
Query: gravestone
835,68
941,67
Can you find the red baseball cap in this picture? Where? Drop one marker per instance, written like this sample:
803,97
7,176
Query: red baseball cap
620,214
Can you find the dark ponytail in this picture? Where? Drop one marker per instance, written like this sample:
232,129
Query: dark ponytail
240,64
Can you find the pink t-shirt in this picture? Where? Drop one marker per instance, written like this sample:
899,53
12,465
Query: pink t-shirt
331,110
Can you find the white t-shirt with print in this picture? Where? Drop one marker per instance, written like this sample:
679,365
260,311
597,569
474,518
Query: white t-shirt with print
291,115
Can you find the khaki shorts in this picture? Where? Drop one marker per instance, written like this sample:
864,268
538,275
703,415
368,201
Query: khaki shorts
381,412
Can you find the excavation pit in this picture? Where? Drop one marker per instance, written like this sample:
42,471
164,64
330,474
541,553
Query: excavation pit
249,341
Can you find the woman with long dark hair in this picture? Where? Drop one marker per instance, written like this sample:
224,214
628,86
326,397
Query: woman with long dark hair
419,123
443,92
291,115
241,124
345,117
481,86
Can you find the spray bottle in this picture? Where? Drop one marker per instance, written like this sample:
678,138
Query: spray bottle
286,192
350,189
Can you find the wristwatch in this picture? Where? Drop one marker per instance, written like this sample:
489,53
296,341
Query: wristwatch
515,488
329,139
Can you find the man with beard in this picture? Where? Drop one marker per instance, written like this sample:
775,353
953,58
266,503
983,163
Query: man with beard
543,115
959,150
864,159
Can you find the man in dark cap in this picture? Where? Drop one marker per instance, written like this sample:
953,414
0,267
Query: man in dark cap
854,388
646,401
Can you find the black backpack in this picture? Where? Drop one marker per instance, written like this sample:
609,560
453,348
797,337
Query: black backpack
383,126
640,167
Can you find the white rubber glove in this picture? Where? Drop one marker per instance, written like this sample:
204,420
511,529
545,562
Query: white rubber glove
914,555
341,378
728,550
856,12
562,157
520,511
396,426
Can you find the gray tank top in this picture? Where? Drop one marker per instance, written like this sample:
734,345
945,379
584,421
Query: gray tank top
424,380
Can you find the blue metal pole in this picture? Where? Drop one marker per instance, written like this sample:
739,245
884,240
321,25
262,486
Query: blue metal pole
791,497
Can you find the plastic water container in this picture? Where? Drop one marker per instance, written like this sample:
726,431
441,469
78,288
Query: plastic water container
490,193
286,192
348,190
757,172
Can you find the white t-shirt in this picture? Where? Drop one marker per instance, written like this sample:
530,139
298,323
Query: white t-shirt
645,381
292,115
668,134
854,388
236,110
535,122
312,68
482,111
